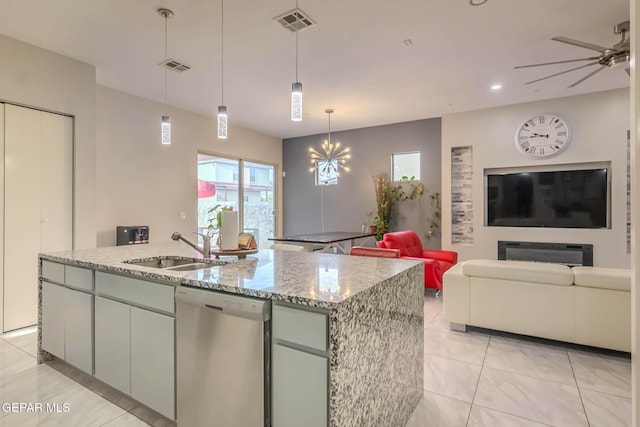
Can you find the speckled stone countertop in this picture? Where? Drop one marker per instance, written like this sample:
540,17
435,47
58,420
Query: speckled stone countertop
320,280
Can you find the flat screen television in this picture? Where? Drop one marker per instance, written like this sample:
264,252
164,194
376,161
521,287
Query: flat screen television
560,199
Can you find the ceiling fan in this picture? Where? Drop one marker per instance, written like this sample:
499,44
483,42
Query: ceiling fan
609,57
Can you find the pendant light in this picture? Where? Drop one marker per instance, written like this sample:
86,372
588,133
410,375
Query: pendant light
296,87
165,127
222,109
331,158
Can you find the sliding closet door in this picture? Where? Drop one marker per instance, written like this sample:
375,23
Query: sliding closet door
37,204
23,129
1,217
56,183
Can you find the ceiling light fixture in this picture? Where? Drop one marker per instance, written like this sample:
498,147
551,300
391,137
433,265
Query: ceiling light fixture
332,158
296,87
165,127
222,109
496,86
477,2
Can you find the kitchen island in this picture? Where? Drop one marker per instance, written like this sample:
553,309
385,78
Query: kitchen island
373,308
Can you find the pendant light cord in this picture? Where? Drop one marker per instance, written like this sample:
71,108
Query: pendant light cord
329,128
297,28
222,51
166,17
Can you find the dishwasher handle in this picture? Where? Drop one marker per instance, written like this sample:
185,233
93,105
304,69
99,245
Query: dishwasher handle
232,305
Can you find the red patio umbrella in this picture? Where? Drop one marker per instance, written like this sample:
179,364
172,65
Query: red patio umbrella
206,189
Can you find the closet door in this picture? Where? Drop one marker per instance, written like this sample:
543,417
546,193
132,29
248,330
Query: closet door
23,129
1,217
37,204
56,183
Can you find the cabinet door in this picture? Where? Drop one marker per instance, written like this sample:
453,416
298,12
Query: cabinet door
153,360
53,318
299,388
112,344
79,330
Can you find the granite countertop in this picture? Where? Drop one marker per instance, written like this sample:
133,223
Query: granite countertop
314,279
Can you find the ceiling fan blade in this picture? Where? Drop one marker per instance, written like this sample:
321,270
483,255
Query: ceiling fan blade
587,76
581,44
557,62
563,72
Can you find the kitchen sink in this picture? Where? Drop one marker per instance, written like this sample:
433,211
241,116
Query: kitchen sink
195,266
175,263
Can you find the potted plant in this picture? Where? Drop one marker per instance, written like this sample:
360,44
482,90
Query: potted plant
384,201
371,221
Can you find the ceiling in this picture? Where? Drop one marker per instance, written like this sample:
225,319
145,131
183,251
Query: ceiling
354,60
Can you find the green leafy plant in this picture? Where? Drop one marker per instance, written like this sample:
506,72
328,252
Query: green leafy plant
390,194
215,218
433,223
384,202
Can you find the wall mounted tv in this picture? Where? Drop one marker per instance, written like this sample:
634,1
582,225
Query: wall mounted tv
570,198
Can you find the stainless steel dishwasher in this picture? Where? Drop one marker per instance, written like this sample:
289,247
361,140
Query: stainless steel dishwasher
222,356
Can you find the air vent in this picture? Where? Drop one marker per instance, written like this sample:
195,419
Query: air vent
295,20
174,65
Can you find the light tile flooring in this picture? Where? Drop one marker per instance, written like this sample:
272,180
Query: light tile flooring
473,379
485,378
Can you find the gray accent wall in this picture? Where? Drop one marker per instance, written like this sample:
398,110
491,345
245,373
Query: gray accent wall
345,204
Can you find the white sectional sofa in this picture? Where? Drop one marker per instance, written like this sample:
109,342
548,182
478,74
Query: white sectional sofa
582,305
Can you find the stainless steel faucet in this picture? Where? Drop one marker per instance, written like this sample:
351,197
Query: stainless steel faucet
205,250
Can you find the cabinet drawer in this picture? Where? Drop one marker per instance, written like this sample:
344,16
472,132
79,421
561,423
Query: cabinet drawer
79,278
308,328
139,292
53,271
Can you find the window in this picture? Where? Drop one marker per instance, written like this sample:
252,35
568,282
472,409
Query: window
326,173
245,186
405,164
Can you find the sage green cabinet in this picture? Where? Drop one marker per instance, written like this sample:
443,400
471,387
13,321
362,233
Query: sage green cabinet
300,366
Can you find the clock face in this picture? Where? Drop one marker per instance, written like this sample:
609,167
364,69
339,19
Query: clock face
543,136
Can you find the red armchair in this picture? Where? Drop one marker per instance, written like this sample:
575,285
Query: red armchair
436,262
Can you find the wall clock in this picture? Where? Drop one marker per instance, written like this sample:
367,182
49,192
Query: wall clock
543,135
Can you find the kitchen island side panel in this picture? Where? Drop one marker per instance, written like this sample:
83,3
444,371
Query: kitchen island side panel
377,353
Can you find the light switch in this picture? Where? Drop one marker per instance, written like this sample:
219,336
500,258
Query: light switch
183,215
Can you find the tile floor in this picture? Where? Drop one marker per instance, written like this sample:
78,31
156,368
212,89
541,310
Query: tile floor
488,378
479,378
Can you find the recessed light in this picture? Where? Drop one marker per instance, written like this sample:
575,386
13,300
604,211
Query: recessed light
407,42
496,86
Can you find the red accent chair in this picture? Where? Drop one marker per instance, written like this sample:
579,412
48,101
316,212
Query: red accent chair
436,262
374,252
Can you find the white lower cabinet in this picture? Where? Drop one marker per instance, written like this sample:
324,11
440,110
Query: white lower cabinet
113,344
300,367
67,325
53,318
299,388
78,335
153,360
135,353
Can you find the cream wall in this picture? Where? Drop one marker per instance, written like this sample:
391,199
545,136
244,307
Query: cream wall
141,182
599,123
35,77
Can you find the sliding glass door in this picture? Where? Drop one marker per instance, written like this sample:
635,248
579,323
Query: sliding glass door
251,193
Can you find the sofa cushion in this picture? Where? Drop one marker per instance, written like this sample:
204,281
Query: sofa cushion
605,278
521,271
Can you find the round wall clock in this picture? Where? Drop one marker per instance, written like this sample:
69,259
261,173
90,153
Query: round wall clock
543,136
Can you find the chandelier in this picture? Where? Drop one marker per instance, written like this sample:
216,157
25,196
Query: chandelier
331,158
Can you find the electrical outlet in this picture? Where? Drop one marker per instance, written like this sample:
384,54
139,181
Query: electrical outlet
182,215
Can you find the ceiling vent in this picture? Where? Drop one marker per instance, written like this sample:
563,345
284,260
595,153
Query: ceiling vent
174,65
295,20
